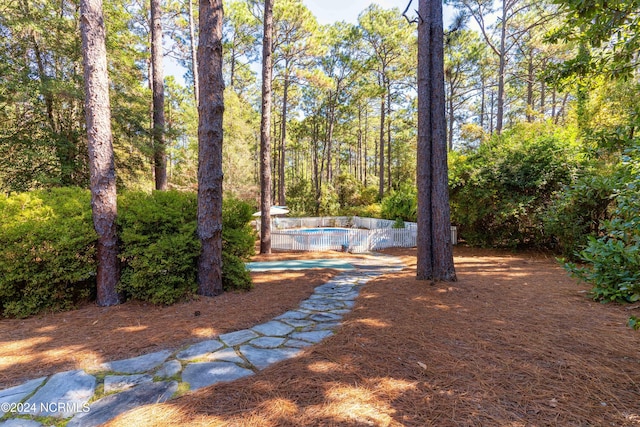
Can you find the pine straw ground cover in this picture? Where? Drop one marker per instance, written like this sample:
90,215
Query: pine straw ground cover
514,342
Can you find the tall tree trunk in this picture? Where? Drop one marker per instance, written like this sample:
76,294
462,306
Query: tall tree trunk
210,112
435,257
450,121
501,69
283,141
194,56
382,118
330,125
530,78
389,180
265,131
482,101
101,157
159,148
366,151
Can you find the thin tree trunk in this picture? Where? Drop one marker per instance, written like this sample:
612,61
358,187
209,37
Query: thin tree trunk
283,142
382,118
265,131
389,180
366,151
101,157
159,148
482,102
194,56
530,106
501,69
330,124
210,113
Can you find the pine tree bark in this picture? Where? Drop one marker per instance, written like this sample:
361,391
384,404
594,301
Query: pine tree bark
159,148
210,112
194,56
101,157
435,256
265,130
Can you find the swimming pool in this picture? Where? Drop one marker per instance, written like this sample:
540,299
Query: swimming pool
324,239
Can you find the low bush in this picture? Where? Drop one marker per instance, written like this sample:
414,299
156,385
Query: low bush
159,247
500,191
47,251
401,204
611,262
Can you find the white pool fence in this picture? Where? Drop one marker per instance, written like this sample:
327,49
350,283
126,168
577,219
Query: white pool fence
359,234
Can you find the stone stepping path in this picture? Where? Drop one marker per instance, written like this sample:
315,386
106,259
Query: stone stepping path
83,400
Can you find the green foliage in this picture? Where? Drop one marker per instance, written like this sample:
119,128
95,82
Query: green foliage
47,251
328,204
500,191
238,244
612,261
577,211
159,247
48,255
401,204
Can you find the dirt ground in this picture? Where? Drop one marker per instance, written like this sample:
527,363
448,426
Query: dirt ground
514,342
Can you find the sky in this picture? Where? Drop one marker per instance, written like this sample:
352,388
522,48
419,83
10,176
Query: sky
329,11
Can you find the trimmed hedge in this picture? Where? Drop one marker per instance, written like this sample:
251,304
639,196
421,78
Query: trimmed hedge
48,254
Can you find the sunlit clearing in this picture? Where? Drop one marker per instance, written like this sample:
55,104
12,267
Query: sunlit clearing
132,328
280,408
47,329
203,332
324,367
357,404
18,347
376,323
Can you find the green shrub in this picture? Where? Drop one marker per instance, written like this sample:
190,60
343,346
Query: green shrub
500,191
159,248
238,244
577,212
612,261
48,254
47,251
402,204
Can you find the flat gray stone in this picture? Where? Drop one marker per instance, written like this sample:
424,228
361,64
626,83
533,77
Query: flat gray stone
297,343
299,323
273,328
138,365
227,355
169,369
65,394
322,305
312,336
204,374
293,314
233,339
267,342
332,288
113,383
261,357
325,326
199,350
19,392
347,296
113,405
326,317
20,422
